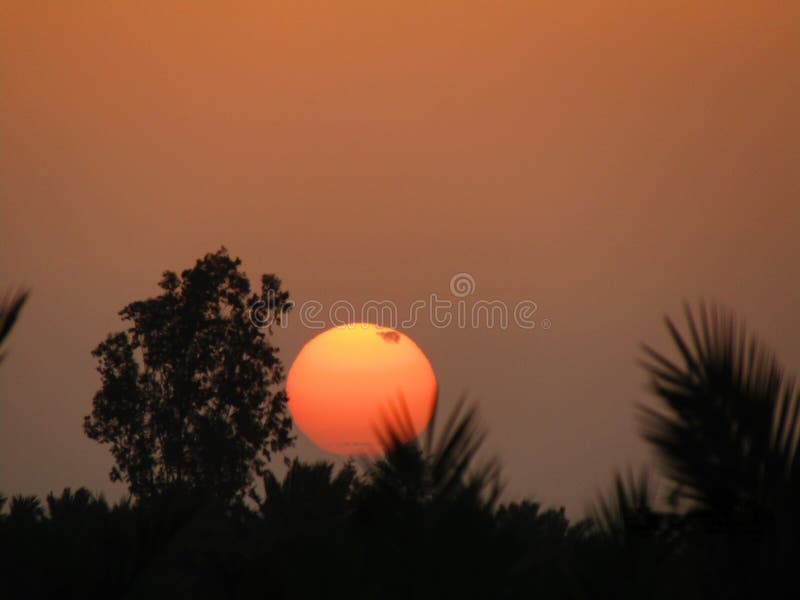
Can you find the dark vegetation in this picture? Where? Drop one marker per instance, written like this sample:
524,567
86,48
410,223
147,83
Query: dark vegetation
186,402
190,432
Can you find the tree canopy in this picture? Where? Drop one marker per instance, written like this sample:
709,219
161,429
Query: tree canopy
190,398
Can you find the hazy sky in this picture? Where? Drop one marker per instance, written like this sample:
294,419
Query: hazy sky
606,160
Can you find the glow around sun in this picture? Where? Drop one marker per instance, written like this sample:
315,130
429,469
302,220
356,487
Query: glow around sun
344,380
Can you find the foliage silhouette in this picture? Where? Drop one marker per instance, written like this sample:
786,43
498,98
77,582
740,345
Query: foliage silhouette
728,440
425,519
187,399
302,530
429,495
10,308
438,468
25,510
541,551
307,495
639,547
628,510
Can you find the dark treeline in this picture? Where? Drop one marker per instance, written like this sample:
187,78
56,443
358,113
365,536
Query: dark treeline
422,521
425,520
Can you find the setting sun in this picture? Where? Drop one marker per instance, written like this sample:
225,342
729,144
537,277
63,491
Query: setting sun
343,381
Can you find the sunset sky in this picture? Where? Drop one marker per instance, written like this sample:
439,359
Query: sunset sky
605,160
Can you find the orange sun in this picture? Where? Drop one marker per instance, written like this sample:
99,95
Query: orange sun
344,380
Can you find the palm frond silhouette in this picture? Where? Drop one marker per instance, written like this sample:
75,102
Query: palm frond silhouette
439,467
307,494
729,436
636,546
627,510
728,441
10,308
430,494
25,509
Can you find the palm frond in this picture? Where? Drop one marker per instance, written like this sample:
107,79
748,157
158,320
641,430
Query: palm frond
10,308
26,509
440,466
728,430
627,509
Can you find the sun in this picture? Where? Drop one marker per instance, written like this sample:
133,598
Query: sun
344,380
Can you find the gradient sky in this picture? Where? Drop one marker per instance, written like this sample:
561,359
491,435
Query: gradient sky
606,160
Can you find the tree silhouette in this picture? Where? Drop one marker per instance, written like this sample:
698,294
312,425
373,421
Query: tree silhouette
729,441
729,438
439,468
308,495
302,531
422,520
430,495
627,512
187,400
636,546
539,548
25,510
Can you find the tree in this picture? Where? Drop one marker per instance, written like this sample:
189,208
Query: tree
441,469
727,436
188,400
432,495
308,497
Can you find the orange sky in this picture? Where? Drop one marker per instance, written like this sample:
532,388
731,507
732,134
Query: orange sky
606,160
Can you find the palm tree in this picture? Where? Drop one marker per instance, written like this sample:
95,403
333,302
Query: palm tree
25,510
424,515
634,546
727,437
438,468
308,494
627,511
302,531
